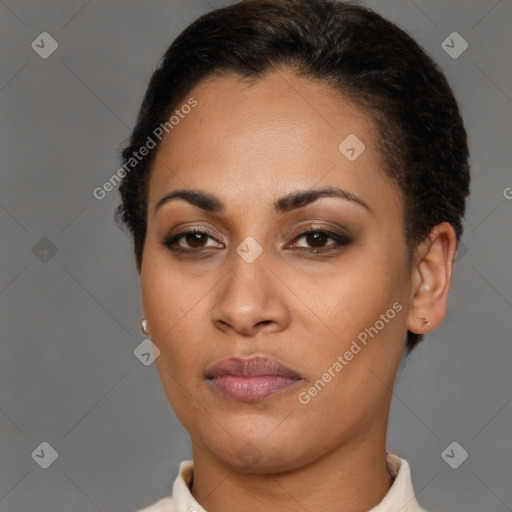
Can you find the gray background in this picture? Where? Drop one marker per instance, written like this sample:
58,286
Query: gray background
69,320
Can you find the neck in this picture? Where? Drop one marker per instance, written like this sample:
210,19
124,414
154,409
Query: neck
351,478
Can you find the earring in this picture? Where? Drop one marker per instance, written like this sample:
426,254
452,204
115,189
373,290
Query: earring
144,326
426,322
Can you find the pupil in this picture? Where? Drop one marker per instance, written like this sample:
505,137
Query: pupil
316,237
193,238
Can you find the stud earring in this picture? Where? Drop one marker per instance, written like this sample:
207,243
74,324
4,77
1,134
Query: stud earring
144,326
426,322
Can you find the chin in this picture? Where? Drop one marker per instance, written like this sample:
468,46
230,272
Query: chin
250,459
258,446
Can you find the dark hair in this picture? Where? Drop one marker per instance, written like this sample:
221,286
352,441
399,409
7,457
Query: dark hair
379,67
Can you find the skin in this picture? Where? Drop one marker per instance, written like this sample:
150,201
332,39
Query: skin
249,144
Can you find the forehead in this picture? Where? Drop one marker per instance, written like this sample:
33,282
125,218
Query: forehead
261,139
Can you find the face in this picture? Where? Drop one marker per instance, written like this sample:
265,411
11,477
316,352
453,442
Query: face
235,274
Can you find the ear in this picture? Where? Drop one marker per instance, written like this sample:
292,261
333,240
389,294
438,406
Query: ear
431,278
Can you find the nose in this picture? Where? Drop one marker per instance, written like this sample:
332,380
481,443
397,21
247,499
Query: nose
251,299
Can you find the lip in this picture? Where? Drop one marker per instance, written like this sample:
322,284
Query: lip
251,379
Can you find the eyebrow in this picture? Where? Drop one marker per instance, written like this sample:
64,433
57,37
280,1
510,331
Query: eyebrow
291,201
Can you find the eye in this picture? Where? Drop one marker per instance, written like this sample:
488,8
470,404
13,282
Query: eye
194,238
318,237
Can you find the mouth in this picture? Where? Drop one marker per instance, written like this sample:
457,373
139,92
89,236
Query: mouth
251,379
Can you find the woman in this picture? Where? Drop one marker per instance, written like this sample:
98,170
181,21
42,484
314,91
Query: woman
295,202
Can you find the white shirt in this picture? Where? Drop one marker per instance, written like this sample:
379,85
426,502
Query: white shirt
400,497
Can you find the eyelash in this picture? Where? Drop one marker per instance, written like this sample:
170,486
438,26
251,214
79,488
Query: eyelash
341,240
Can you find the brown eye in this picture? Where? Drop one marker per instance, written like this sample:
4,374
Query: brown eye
317,238
194,238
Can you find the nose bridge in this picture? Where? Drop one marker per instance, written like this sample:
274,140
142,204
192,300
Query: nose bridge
247,296
248,277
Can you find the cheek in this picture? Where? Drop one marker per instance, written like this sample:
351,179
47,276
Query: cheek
355,294
364,305
352,368
170,306
167,296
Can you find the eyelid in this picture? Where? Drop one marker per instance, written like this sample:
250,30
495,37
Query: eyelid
191,229
340,240
181,230
292,233
318,224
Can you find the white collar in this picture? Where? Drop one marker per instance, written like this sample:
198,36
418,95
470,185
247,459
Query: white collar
400,497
